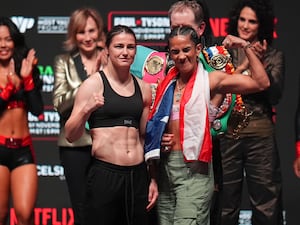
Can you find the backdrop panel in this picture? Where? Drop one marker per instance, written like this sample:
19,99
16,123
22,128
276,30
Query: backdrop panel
44,24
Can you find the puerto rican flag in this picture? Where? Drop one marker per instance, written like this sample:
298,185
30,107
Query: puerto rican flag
195,134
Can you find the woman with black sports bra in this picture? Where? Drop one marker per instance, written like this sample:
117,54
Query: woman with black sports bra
19,94
116,104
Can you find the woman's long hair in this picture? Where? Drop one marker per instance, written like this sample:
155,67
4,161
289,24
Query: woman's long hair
265,15
20,49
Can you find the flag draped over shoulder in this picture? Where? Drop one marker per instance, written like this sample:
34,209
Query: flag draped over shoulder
194,125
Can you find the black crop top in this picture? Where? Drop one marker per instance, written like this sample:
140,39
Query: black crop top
118,110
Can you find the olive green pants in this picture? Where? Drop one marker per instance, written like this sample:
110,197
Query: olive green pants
184,195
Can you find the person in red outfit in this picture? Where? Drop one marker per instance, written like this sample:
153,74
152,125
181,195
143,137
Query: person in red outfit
19,94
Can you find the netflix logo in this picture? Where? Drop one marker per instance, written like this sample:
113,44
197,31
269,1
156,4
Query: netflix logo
48,216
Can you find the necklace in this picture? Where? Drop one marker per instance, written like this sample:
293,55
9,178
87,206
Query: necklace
179,91
90,64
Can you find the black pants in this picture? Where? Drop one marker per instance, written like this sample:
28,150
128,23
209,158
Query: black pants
256,159
117,195
76,162
215,210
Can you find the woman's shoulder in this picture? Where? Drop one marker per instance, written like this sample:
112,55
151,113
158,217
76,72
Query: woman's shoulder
145,87
92,84
65,57
276,54
94,80
61,58
140,81
274,51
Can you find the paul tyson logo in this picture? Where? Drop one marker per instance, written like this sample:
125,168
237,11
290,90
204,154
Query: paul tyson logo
23,23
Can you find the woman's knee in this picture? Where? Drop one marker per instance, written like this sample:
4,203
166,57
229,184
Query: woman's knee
24,219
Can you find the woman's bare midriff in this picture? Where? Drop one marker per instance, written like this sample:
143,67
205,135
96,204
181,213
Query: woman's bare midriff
117,145
173,128
14,123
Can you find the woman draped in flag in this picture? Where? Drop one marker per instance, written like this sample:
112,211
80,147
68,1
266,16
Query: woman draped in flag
180,110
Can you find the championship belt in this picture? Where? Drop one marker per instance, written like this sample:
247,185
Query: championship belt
232,115
239,118
218,58
155,67
220,124
150,66
141,56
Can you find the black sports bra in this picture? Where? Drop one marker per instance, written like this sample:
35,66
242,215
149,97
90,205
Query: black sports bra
118,110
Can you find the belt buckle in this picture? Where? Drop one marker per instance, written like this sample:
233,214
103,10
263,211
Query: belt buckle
13,142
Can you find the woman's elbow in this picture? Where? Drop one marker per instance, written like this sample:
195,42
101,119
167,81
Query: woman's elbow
265,85
70,139
72,134
68,133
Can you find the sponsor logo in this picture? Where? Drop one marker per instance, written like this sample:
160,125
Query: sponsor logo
127,122
52,24
45,124
218,26
245,217
51,171
47,76
53,216
151,28
23,23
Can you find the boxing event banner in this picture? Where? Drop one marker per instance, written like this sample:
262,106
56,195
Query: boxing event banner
45,31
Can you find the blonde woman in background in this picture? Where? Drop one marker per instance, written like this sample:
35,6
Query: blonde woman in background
83,56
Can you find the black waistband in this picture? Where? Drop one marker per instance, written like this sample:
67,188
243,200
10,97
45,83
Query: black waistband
97,162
